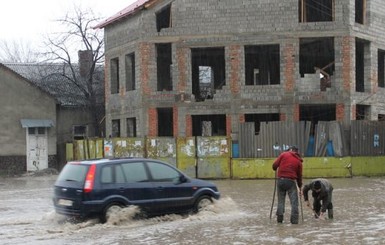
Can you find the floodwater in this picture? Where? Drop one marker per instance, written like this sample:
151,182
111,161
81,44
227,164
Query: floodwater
240,217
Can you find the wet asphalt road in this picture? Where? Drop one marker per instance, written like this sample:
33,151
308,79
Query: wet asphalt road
240,217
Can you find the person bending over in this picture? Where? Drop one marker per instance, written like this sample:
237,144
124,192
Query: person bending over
322,191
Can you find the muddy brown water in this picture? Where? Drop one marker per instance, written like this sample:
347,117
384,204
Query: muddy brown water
240,217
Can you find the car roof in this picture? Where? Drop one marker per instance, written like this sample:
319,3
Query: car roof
109,160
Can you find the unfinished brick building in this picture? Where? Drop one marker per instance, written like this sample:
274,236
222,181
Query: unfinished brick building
193,67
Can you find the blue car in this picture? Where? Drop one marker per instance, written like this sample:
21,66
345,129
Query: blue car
92,188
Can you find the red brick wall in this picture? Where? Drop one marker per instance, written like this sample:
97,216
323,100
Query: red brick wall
340,112
288,53
188,126
354,108
242,118
346,62
228,125
235,52
153,122
296,113
282,117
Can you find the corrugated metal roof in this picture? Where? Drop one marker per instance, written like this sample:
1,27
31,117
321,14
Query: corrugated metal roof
131,9
33,123
52,78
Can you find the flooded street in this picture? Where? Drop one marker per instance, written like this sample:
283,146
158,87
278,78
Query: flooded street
240,217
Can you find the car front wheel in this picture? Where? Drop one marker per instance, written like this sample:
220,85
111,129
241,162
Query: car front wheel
202,203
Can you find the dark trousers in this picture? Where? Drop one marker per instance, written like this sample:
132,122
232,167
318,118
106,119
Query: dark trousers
289,187
317,204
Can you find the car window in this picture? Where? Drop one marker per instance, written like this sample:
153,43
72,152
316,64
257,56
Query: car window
106,175
119,175
162,172
134,172
73,172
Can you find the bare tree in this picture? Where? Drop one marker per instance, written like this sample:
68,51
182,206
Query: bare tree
62,46
17,51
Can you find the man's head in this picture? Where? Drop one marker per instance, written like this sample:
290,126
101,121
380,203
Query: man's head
317,185
293,148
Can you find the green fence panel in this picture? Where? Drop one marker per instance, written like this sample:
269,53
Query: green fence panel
99,144
128,147
213,168
162,148
69,152
368,166
213,157
252,168
327,167
79,150
185,157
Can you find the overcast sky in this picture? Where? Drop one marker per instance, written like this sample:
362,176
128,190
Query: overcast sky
30,20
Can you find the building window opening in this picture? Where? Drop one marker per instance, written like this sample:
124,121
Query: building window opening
316,10
131,127
41,130
362,59
36,131
208,72
130,72
31,131
209,125
163,18
381,68
115,132
114,76
316,113
262,65
362,112
165,121
164,65
316,56
79,132
258,118
360,11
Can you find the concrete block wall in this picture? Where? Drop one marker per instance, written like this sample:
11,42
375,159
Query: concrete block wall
232,25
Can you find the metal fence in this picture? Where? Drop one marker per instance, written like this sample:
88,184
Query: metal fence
326,139
363,138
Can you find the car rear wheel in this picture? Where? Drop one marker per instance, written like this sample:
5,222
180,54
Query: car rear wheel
111,211
202,203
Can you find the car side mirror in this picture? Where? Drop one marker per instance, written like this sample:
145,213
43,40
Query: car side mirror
182,179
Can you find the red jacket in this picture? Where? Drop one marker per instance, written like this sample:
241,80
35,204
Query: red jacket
289,165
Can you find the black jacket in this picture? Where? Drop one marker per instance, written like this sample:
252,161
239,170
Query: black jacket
323,195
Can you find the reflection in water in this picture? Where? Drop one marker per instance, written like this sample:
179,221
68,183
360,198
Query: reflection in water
241,216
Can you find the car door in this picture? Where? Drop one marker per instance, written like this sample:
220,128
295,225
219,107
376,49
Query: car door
171,193
134,184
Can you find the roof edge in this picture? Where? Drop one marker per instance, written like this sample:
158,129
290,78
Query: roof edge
131,9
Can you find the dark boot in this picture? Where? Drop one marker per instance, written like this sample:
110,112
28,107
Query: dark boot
279,218
330,213
294,220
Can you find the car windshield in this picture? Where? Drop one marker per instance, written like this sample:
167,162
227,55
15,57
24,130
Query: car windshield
73,172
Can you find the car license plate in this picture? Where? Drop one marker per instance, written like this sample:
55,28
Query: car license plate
64,202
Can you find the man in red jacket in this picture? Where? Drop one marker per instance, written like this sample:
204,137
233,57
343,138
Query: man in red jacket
289,179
